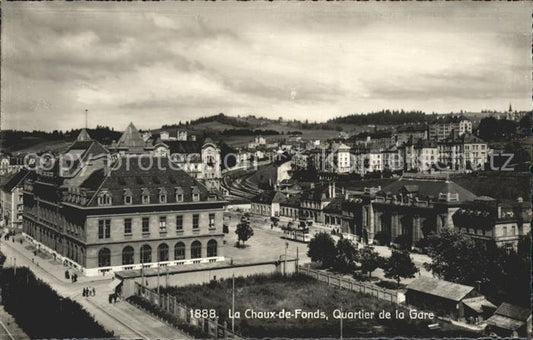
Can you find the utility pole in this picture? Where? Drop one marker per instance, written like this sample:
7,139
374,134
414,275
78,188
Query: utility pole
341,324
285,263
158,279
233,304
86,114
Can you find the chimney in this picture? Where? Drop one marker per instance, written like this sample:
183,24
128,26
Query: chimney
329,189
520,200
333,193
499,210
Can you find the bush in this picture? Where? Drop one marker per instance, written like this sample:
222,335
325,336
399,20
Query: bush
404,242
41,312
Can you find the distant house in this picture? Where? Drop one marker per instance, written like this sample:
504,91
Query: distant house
488,219
510,321
267,203
12,202
447,299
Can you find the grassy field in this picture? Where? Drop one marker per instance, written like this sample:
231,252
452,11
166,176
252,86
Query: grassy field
275,293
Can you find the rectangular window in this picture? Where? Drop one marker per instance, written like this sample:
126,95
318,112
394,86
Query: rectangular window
211,221
195,221
179,197
146,199
127,226
195,197
146,225
104,229
179,223
162,224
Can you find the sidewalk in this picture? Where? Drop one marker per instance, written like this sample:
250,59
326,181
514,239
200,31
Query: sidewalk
123,319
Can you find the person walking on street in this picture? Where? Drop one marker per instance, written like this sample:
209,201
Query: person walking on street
94,291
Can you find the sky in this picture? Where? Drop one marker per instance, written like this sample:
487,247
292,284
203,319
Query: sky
161,63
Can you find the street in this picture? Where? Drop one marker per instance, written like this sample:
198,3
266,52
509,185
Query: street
122,318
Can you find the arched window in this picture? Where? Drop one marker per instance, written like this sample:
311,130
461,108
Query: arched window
196,250
104,257
212,248
127,255
179,251
104,198
162,252
146,254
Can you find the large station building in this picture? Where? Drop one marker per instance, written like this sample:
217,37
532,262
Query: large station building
103,213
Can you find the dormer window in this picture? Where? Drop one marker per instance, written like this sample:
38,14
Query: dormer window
162,195
128,196
104,198
145,196
195,194
179,194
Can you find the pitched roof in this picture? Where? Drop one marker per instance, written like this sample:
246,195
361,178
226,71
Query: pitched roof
15,180
137,175
445,289
131,138
83,136
184,147
504,322
513,312
268,197
430,188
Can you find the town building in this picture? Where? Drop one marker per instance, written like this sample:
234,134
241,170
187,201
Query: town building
462,152
122,215
487,219
12,201
200,159
443,127
403,134
267,203
412,206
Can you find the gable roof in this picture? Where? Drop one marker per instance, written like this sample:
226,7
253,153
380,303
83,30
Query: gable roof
184,147
445,289
268,197
15,180
513,312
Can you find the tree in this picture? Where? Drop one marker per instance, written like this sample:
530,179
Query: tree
322,249
346,256
244,232
370,260
399,265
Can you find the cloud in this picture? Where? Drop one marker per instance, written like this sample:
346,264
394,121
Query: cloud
178,61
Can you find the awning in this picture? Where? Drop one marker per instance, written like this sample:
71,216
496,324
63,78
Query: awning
504,322
114,284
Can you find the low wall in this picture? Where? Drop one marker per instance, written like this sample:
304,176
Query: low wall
199,275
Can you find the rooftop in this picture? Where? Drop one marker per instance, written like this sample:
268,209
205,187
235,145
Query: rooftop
445,289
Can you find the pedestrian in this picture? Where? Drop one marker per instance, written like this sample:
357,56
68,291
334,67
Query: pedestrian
94,291
84,292
110,298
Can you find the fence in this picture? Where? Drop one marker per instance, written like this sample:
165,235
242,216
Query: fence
350,284
168,303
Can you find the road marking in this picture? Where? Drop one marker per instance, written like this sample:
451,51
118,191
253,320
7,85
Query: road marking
7,330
